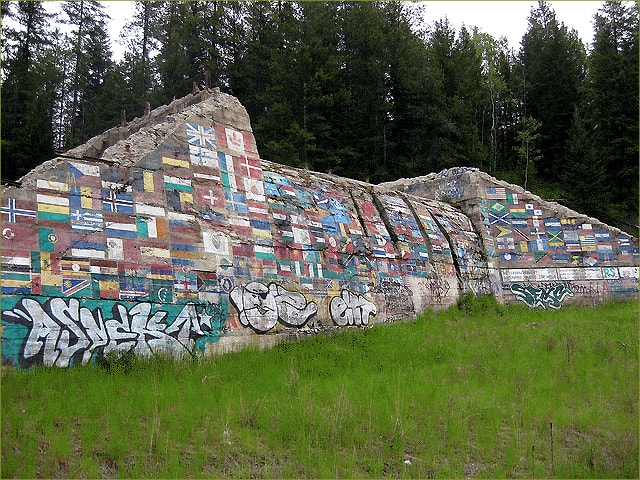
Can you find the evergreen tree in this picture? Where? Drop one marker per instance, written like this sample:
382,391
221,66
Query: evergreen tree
91,57
584,178
209,24
267,80
30,78
232,44
137,67
183,57
469,100
612,114
510,109
440,46
364,70
553,60
324,95
459,96
281,126
409,88
8,33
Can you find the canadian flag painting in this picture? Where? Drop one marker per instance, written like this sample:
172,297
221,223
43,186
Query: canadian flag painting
235,140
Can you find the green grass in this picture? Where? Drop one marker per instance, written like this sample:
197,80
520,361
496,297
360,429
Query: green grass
479,390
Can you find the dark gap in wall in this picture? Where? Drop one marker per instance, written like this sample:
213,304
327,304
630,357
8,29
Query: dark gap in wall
385,219
472,212
368,250
452,247
423,232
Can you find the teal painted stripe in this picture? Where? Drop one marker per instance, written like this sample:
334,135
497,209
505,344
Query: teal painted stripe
25,277
35,262
177,186
55,217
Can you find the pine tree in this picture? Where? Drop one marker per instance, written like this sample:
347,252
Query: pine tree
324,96
209,23
282,124
511,108
364,71
30,77
183,57
91,57
612,94
584,177
137,66
553,60
410,90
267,78
459,96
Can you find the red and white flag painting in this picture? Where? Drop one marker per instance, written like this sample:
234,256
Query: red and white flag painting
235,140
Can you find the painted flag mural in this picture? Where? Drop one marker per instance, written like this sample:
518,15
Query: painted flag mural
200,135
12,214
198,238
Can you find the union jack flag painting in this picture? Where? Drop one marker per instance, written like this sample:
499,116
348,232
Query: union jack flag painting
201,136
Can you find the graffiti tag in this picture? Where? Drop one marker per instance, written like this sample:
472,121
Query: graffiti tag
62,333
398,297
544,297
351,309
261,307
453,185
480,285
435,287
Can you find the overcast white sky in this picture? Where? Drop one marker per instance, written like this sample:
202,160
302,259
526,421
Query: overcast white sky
497,18
509,17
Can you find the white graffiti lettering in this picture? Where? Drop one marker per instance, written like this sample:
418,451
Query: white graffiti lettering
61,330
544,297
351,309
261,307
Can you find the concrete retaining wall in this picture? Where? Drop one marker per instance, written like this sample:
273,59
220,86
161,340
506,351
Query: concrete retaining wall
544,254
181,239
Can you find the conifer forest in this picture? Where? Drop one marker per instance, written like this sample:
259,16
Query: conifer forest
373,91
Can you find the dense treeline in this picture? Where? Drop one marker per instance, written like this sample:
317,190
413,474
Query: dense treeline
360,89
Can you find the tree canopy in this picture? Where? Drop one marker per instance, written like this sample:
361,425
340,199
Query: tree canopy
365,90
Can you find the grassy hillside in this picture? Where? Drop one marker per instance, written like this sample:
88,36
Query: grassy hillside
479,390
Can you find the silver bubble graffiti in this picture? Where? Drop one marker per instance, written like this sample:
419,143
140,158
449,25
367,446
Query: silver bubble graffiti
351,309
261,307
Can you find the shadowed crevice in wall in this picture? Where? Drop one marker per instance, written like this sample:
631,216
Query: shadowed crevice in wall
384,216
454,255
423,231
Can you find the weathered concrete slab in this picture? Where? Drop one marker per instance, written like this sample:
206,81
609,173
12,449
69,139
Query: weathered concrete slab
536,247
172,234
